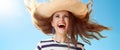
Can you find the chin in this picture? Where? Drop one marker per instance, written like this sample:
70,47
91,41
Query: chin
62,31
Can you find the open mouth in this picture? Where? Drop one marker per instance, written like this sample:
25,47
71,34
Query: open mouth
61,26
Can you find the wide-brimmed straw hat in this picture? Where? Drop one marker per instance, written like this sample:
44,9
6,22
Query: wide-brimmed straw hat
75,6
47,9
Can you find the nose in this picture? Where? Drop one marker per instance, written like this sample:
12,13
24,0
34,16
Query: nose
62,18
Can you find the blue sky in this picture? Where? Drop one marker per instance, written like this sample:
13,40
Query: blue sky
18,33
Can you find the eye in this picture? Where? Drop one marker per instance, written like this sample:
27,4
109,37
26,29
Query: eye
57,16
66,16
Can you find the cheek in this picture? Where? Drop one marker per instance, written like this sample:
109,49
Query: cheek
54,22
67,21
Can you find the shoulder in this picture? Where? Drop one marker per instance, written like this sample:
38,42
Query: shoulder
46,41
43,43
79,43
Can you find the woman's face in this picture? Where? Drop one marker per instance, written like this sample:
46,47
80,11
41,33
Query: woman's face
60,21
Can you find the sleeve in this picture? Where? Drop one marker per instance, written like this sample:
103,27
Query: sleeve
38,46
81,46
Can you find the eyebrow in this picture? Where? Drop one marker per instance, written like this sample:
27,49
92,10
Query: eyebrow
64,14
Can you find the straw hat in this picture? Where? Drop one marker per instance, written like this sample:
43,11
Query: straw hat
75,6
46,9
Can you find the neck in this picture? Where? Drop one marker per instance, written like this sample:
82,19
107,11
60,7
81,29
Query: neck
60,37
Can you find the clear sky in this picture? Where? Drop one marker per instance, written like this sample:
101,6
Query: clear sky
18,33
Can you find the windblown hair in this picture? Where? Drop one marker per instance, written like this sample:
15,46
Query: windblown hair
84,28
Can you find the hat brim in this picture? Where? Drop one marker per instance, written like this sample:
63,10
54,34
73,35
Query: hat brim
76,7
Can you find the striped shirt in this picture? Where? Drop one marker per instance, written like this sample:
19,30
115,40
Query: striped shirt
50,44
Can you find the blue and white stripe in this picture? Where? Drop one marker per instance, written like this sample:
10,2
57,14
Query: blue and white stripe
50,44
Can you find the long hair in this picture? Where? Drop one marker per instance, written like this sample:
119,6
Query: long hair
84,28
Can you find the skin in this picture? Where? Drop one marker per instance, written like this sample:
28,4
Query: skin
60,18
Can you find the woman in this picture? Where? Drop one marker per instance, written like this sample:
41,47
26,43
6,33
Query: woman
66,20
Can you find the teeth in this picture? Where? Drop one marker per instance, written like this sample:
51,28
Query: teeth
60,25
